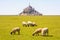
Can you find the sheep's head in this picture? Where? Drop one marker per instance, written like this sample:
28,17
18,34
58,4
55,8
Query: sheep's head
33,34
11,33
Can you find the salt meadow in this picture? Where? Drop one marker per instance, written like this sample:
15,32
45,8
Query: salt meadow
9,22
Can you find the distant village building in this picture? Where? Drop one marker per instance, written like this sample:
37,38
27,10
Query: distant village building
30,11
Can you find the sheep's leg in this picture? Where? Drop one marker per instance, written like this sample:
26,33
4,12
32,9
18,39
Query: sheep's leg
38,34
42,33
47,33
19,32
23,25
35,25
14,32
28,25
31,25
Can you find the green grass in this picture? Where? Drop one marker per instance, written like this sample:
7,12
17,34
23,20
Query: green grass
9,22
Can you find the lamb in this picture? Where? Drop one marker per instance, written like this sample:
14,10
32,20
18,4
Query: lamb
44,31
14,30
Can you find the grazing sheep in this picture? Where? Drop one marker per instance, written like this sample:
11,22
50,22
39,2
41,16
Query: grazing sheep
29,23
14,30
44,31
34,24
24,23
37,31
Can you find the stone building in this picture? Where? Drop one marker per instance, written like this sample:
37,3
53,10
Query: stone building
30,11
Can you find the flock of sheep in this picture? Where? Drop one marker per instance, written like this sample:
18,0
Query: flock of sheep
43,31
29,23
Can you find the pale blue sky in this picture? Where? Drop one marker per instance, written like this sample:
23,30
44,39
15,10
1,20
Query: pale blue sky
14,7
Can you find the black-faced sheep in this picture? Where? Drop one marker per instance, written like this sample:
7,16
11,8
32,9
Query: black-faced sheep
14,30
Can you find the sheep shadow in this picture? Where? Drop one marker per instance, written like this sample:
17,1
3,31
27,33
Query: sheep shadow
47,35
15,34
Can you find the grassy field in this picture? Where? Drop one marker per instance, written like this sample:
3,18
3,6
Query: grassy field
9,22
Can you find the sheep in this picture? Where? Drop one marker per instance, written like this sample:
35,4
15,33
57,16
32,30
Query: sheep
24,23
34,24
37,31
44,31
14,30
29,23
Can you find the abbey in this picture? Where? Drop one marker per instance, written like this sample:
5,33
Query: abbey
30,11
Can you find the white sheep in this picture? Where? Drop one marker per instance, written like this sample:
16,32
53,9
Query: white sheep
34,24
37,31
29,23
24,23
44,31
14,30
